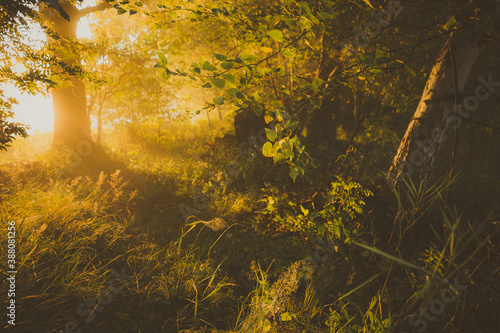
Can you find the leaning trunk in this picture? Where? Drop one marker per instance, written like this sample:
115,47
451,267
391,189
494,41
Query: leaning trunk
436,112
439,108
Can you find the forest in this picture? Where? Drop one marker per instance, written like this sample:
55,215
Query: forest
250,166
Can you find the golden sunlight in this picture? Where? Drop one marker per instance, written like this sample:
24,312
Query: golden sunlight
36,111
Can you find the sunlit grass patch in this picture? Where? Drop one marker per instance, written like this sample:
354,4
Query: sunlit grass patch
75,234
27,149
72,235
66,233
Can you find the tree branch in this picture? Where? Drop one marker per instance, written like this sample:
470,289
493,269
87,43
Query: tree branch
99,7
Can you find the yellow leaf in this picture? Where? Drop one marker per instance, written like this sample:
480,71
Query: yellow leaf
369,4
307,43
266,49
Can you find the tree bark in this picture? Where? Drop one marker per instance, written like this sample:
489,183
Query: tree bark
71,119
439,108
322,125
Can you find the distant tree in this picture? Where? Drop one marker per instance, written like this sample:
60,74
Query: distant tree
128,93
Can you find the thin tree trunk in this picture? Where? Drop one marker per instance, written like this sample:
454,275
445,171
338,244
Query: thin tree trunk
99,123
208,118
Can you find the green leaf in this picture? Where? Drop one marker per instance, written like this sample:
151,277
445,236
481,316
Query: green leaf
220,57
286,316
263,71
380,54
162,57
235,93
304,211
249,36
325,16
279,157
218,82
271,135
219,100
276,35
246,56
293,173
227,65
305,6
316,102
120,11
257,97
287,53
268,150
208,66
207,85
228,77
451,22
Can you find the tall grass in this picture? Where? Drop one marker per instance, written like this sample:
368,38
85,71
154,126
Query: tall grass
74,235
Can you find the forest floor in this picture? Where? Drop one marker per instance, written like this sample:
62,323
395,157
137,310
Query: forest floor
114,253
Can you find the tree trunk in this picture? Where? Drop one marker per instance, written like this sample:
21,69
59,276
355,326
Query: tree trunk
219,111
439,108
322,127
208,119
71,120
99,123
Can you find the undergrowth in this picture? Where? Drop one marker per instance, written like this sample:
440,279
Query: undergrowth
311,256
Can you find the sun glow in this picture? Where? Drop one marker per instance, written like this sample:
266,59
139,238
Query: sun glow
36,111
